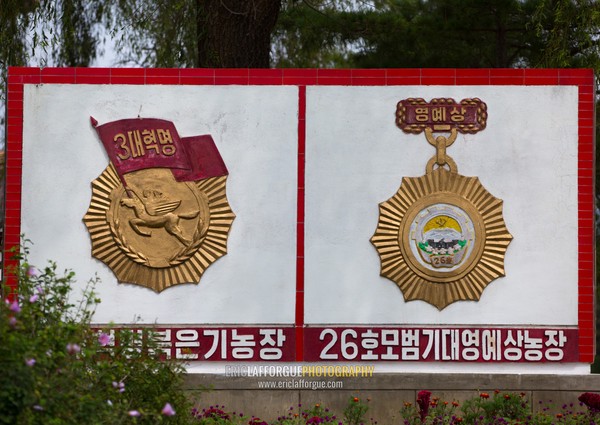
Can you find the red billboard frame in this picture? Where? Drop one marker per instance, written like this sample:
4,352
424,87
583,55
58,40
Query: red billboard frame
582,78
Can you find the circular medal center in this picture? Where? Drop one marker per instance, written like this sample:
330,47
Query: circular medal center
442,237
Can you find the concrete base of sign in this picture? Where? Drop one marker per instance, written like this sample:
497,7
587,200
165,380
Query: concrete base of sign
264,397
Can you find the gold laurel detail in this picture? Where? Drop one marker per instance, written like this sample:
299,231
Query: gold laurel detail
466,282
189,265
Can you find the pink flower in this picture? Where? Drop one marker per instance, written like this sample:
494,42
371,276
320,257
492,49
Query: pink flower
34,298
120,386
134,413
30,362
73,348
168,410
15,307
103,339
12,321
32,272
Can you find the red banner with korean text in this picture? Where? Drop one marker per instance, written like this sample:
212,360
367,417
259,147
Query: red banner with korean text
218,344
139,143
414,115
403,344
367,344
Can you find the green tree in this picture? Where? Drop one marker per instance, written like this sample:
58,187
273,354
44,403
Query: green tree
439,33
299,33
164,33
569,32
195,33
62,32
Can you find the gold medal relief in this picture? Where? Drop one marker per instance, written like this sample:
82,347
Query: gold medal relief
441,238
154,230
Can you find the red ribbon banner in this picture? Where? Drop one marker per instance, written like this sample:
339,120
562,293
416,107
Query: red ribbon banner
139,143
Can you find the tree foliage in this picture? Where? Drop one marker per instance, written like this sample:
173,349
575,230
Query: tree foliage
301,33
59,32
439,33
570,33
154,32
194,33
14,18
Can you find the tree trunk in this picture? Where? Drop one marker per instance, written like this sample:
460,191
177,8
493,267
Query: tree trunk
235,33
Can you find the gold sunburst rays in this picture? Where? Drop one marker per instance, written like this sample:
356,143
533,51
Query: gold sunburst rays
441,193
158,257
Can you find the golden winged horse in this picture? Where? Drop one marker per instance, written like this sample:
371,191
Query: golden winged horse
162,216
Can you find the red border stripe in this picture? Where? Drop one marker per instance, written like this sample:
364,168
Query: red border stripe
583,78
300,224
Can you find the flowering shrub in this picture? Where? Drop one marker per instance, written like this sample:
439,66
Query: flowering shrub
355,411
591,400
216,415
430,411
423,400
497,409
315,415
500,408
56,369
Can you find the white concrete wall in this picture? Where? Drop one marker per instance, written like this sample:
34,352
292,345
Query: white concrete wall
355,159
254,128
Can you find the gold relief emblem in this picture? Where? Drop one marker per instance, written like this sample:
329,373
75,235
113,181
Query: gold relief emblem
153,229
441,238
161,222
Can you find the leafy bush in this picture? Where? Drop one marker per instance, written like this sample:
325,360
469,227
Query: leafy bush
57,369
355,411
498,409
430,411
314,415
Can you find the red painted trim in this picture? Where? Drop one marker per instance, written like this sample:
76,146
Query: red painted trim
438,77
98,72
334,73
480,79
403,73
586,233
368,73
583,79
299,316
162,76
369,81
415,80
14,161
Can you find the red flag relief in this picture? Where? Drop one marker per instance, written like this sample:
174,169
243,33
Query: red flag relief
138,143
